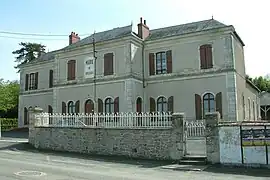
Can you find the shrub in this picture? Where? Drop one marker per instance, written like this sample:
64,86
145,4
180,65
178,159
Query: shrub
8,123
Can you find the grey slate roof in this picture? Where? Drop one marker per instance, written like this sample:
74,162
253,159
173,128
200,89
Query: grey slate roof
184,29
103,36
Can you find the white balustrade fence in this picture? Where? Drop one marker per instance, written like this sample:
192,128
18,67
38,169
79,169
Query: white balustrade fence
111,120
195,128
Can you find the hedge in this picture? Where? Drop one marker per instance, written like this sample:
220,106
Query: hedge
8,123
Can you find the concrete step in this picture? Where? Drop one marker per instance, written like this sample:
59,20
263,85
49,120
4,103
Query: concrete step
194,157
193,160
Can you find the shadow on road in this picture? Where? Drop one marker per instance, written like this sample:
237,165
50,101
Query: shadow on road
247,171
26,147
21,133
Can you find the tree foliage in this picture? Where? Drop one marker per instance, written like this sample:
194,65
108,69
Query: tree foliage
9,96
263,83
28,52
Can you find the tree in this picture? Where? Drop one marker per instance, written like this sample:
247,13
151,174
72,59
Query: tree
263,83
28,52
9,95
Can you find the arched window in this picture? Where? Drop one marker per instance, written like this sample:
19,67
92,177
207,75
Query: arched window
208,103
109,105
162,104
89,106
139,104
25,118
71,107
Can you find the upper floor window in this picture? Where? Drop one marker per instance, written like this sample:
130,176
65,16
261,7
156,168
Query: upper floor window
71,71
160,63
108,64
51,79
206,57
31,81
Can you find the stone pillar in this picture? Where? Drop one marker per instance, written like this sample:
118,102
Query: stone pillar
177,151
212,137
32,123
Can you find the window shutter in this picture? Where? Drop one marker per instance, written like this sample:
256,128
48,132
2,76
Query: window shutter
110,67
203,57
198,107
36,80
25,116
50,110
51,79
169,61
151,64
116,104
219,103
64,108
26,82
73,70
69,71
100,106
209,56
152,105
170,104
77,107
108,64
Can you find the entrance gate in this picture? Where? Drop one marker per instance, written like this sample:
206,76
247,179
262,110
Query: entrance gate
194,135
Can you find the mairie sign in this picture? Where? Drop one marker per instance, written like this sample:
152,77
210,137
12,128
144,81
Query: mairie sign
89,67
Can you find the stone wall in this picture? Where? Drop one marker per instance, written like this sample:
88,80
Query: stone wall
159,144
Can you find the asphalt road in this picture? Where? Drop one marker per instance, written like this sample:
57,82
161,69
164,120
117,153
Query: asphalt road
20,161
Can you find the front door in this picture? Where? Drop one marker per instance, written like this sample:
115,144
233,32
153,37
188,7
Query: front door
89,109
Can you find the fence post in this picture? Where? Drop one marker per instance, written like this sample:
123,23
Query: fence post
212,137
178,120
32,122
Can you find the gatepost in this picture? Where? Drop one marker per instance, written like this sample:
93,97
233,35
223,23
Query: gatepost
212,137
33,121
178,120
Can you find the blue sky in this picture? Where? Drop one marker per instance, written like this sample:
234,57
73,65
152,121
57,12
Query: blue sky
85,16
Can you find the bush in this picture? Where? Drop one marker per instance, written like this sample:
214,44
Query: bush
8,123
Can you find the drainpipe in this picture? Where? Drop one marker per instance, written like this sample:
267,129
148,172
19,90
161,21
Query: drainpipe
143,65
143,79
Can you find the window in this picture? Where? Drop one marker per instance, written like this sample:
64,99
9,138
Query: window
249,109
108,64
71,107
161,63
31,81
51,79
109,105
71,71
206,57
244,107
162,104
139,104
208,103
25,119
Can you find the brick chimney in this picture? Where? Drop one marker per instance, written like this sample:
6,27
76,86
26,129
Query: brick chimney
143,29
73,38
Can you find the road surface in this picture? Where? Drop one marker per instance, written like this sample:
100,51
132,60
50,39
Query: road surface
18,161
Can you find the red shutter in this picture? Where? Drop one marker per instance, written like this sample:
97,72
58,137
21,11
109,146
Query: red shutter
77,107
170,104
100,106
139,104
209,56
116,104
203,57
198,107
219,103
36,80
152,105
51,79
73,70
151,64
169,61
26,82
64,108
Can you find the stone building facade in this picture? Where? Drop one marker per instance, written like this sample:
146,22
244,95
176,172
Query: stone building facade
194,68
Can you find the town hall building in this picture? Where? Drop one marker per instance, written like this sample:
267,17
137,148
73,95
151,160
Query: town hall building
194,68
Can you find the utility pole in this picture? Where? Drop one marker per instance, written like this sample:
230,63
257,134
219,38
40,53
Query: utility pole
95,58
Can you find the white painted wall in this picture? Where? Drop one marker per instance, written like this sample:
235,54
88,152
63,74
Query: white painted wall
230,147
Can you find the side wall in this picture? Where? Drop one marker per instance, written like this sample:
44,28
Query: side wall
161,144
